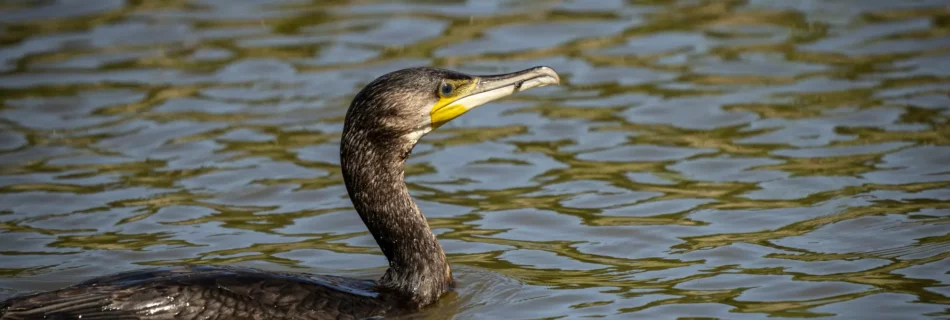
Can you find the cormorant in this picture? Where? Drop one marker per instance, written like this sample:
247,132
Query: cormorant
383,124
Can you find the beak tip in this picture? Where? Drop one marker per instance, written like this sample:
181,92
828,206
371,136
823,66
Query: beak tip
548,71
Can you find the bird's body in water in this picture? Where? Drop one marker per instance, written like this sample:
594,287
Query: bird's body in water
383,124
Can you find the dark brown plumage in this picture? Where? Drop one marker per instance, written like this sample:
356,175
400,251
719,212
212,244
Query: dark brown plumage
383,124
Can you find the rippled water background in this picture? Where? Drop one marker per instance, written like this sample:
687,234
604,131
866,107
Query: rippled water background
733,159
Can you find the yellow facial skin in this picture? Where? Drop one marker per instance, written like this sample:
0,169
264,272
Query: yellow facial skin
448,108
459,96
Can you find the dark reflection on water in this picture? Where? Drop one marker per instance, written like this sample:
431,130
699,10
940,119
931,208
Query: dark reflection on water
733,159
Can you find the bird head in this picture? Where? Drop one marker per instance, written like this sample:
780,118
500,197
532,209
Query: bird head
411,102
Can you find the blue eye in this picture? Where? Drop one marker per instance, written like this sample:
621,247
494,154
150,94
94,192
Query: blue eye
446,89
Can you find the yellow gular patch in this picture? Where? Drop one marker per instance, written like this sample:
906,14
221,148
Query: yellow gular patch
446,108
444,112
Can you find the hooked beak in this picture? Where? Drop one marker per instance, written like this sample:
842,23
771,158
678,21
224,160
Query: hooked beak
491,87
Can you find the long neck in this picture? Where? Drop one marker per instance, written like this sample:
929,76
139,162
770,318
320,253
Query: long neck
373,172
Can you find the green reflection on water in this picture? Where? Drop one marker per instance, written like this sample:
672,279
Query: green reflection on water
800,145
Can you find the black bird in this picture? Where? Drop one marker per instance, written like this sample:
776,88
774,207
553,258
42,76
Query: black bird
383,124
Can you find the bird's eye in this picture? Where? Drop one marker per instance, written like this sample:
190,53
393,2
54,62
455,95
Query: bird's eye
446,89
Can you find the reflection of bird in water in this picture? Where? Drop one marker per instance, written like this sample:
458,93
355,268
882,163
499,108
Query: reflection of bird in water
384,122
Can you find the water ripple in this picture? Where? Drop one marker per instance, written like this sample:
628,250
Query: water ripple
724,159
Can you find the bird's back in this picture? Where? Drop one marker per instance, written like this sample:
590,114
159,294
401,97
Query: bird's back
204,293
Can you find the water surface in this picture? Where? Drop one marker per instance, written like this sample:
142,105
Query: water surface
703,158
